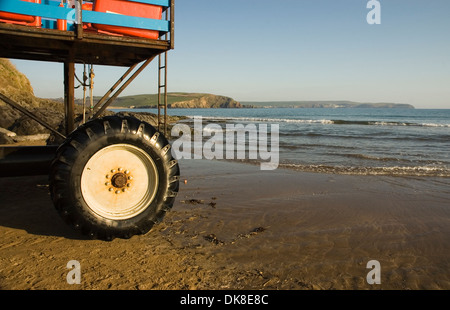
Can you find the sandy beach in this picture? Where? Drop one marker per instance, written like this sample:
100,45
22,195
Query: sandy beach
234,227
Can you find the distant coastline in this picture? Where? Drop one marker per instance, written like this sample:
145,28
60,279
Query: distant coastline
211,101
325,104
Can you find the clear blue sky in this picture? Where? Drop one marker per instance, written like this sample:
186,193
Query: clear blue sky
261,50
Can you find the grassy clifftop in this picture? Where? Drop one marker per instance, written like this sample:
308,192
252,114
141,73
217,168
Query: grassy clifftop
178,100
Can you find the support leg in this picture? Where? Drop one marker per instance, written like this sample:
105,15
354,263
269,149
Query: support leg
69,95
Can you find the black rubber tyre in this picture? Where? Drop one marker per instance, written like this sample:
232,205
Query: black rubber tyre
114,177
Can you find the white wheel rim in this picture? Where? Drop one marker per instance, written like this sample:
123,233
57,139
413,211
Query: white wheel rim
119,181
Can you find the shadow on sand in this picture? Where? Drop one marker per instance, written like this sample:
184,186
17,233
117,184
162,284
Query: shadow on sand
25,203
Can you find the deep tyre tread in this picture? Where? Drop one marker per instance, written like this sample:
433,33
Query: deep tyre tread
80,146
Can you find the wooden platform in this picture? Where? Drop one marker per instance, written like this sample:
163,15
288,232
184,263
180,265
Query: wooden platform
24,42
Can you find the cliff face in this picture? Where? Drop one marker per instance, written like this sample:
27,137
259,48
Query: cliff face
17,87
14,84
207,101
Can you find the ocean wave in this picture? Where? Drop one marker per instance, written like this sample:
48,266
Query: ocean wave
388,171
323,121
266,120
315,146
370,157
390,159
374,158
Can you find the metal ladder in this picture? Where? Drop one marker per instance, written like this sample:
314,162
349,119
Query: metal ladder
162,102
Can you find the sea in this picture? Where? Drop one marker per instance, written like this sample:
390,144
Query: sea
363,141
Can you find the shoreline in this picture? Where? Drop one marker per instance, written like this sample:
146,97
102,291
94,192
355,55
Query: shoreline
236,227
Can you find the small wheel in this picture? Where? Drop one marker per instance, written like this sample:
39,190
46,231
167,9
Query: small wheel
114,177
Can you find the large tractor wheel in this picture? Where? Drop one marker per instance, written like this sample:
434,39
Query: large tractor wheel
114,177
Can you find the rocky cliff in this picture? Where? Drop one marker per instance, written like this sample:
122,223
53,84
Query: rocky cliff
17,87
177,101
206,101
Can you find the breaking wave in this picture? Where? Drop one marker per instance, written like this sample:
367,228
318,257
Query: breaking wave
389,171
324,121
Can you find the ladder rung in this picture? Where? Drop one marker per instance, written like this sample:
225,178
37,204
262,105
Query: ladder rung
162,103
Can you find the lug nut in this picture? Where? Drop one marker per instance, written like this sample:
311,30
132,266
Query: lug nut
117,192
120,169
130,178
113,170
111,189
107,183
127,171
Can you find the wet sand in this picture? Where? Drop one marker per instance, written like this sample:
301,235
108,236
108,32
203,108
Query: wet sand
235,227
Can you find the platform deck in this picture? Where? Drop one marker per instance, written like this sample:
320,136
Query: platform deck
24,42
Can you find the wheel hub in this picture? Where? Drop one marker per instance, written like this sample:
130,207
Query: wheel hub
119,181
